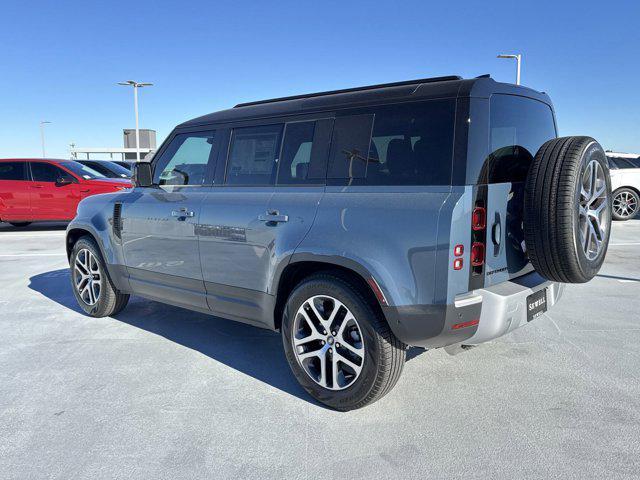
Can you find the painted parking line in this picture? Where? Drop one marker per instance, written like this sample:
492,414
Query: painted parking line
623,244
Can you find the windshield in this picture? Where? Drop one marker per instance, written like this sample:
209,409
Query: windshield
81,170
109,169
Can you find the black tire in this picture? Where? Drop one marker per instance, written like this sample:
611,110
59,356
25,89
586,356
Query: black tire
110,300
384,355
559,238
626,204
20,224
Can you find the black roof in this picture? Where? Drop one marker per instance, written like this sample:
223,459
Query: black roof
410,90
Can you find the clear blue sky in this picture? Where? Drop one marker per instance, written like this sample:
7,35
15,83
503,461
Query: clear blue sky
60,61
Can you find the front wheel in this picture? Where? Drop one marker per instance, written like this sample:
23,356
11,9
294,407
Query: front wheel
90,281
626,203
338,346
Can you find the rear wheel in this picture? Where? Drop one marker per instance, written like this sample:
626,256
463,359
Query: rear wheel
20,224
90,281
339,347
626,203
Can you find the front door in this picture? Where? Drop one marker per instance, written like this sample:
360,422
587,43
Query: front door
159,223
50,198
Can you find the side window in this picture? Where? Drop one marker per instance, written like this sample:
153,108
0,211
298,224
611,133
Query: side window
412,144
185,160
45,172
519,127
296,153
350,146
12,171
252,155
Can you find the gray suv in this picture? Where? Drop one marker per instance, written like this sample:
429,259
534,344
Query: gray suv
440,212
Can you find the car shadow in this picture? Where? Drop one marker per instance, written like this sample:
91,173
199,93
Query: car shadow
34,227
253,351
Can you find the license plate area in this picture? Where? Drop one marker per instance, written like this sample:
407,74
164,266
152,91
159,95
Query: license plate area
536,304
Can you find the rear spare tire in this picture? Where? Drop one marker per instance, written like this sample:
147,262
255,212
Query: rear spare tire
567,209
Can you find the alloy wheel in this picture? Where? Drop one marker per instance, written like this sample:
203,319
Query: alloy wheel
328,342
593,210
87,277
625,205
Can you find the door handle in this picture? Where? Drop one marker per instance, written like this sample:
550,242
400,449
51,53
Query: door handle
183,212
273,216
36,186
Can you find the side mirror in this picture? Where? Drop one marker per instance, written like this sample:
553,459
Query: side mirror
62,181
142,174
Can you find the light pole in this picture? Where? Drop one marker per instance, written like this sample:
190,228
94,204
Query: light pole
136,86
42,124
518,58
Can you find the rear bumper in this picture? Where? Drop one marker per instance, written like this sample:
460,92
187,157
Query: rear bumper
475,317
504,306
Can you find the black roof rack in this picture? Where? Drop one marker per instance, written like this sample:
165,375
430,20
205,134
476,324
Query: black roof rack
356,89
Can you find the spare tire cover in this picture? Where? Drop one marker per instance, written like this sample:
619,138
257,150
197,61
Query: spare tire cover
567,209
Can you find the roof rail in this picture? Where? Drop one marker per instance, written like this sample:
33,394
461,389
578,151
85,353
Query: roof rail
356,89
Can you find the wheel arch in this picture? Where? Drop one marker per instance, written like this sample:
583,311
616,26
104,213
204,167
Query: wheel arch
296,271
628,187
75,234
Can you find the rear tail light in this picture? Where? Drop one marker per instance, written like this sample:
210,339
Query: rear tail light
458,264
479,219
458,250
477,254
478,237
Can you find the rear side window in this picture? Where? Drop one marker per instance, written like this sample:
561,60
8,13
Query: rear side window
252,155
45,172
12,171
350,146
412,144
621,162
185,160
519,126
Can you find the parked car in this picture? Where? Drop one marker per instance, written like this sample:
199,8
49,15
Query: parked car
625,182
107,168
43,189
429,213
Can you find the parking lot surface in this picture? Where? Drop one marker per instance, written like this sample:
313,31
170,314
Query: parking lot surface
161,392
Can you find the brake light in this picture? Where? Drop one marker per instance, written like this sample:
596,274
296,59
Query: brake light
478,237
479,219
477,254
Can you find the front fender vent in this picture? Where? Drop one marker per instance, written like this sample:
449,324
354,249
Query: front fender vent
117,220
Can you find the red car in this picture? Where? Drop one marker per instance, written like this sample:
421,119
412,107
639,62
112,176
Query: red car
36,189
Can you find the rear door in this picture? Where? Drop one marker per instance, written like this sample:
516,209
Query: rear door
518,128
236,228
159,223
51,199
15,191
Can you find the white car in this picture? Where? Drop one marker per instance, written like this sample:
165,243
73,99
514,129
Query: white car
625,184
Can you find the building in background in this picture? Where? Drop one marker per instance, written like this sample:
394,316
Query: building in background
127,152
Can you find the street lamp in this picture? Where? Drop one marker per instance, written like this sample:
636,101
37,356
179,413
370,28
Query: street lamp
42,124
135,86
518,58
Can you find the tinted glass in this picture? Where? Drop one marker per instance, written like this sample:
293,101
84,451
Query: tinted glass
252,155
350,146
83,171
296,153
412,144
185,160
45,172
108,169
621,162
12,171
519,126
